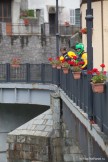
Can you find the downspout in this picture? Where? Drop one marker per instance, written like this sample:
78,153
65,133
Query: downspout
102,31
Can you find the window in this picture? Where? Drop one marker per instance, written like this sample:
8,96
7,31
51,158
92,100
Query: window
72,17
75,17
5,10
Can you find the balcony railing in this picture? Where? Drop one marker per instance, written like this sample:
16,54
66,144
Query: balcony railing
77,90
33,27
19,29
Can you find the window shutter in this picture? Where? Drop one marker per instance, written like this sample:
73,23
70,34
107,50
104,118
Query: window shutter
72,17
77,17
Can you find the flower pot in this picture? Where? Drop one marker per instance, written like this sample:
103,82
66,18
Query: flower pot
76,75
65,70
53,66
98,87
58,67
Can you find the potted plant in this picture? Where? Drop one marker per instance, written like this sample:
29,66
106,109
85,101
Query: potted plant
66,24
65,67
15,62
26,22
76,68
98,79
52,62
58,63
83,30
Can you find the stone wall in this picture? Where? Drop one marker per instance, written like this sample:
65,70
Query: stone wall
30,49
28,149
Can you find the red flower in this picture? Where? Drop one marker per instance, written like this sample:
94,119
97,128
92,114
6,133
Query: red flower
71,62
81,62
26,22
50,59
57,58
98,73
102,65
95,70
89,72
83,30
63,60
75,57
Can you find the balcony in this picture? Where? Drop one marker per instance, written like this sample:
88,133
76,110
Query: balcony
19,29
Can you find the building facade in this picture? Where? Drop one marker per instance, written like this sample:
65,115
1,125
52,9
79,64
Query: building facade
9,14
68,10
99,31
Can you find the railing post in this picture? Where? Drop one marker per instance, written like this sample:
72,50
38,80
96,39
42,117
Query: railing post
102,105
58,78
27,72
42,73
89,24
7,72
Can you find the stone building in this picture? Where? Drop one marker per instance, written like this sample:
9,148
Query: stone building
26,35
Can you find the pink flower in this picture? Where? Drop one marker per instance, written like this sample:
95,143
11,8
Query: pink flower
104,72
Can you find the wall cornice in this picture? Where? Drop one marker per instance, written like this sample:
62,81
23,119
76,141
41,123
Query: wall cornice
85,1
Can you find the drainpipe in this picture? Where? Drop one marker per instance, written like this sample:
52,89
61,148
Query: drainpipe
57,42
102,31
102,97
57,34
89,24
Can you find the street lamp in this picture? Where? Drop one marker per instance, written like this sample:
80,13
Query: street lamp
57,33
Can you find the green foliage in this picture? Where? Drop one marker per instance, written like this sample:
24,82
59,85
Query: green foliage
27,13
100,78
76,68
65,65
30,13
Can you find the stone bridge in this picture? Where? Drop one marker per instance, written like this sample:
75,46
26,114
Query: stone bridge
62,133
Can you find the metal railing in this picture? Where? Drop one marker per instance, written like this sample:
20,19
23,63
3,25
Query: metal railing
26,73
48,29
19,28
77,90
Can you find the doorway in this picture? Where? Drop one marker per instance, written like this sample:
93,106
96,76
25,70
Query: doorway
52,24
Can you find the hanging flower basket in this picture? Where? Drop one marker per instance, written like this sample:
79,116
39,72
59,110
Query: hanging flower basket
76,75
98,87
65,70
